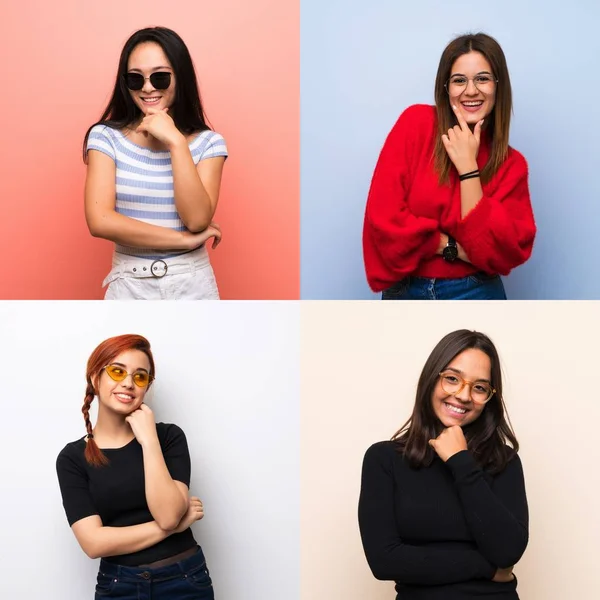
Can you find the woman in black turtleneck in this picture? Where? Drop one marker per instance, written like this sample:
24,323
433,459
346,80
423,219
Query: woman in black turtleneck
442,509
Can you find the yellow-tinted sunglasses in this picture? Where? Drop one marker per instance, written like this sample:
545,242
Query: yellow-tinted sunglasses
117,373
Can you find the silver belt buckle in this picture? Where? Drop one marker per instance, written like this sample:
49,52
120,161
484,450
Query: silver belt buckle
152,268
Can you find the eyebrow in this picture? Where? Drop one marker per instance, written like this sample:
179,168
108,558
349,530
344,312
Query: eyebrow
462,373
154,69
116,364
463,75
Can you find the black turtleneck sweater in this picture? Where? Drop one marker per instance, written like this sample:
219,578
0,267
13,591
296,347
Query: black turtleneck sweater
441,532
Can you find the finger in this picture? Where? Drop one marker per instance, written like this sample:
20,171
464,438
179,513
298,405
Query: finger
460,118
451,135
446,141
432,443
477,130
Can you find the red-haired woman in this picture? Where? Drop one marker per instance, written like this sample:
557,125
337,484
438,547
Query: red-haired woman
448,210
125,485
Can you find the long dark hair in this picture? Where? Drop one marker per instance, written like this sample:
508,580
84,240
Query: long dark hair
486,436
497,122
187,110
103,355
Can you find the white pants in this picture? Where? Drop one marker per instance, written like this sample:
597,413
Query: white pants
186,277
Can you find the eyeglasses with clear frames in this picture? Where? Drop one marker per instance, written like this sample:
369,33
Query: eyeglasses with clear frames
484,82
453,384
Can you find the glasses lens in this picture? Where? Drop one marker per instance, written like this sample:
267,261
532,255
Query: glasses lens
134,81
160,80
481,392
141,378
116,373
451,383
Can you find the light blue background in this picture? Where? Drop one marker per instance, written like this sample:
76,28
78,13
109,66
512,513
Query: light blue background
362,63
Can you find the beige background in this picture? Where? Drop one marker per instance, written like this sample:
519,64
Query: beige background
360,365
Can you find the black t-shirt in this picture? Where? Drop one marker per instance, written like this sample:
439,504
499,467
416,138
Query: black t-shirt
116,492
440,532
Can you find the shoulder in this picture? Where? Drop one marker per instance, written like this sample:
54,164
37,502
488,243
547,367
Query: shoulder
382,451
208,144
516,159
102,131
416,122
169,431
72,453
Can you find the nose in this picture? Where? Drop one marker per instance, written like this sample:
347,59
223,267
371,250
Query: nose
471,88
128,381
147,87
464,395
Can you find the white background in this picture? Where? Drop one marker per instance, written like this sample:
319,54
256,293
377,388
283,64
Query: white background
360,366
227,373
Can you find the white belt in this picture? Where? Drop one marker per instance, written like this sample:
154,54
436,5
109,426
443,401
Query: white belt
132,266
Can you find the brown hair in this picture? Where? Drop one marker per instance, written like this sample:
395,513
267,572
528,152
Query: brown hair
497,122
104,353
486,436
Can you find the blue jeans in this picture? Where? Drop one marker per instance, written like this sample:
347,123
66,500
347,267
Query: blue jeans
473,287
187,579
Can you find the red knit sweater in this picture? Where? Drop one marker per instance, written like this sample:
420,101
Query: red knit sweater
407,210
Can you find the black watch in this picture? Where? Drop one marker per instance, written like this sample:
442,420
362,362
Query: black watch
450,252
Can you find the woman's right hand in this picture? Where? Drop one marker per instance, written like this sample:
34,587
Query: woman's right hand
195,240
504,575
194,513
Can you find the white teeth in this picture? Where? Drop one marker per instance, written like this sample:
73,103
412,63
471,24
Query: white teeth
455,409
472,103
124,396
151,100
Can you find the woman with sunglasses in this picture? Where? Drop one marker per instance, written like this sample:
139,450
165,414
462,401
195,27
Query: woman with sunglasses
448,210
125,485
442,509
153,174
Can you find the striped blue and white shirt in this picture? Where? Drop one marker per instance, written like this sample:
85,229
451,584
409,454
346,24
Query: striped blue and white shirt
145,180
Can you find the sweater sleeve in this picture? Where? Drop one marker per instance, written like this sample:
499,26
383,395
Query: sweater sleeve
389,557
496,514
498,233
394,239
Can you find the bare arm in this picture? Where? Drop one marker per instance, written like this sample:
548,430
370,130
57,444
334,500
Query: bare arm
196,188
97,540
104,222
167,499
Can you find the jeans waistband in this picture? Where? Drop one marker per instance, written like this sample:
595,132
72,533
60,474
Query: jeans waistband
124,573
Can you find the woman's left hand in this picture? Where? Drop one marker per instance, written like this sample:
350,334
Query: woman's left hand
143,425
462,144
449,442
160,125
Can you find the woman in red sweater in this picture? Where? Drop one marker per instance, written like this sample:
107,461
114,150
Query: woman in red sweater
448,210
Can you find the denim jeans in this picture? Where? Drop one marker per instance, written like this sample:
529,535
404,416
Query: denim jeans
187,579
473,287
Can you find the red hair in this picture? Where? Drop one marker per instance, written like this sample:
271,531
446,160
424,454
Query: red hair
103,355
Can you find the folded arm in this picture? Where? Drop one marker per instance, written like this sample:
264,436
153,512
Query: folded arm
389,557
496,513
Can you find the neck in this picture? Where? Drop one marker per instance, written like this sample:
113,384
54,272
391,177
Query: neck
110,425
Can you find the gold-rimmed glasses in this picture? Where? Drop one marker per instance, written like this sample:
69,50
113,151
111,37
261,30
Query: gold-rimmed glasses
484,82
141,378
453,384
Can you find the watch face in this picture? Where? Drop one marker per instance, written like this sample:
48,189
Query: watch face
450,253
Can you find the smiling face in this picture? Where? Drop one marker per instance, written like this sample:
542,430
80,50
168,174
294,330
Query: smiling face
123,397
145,59
475,102
473,365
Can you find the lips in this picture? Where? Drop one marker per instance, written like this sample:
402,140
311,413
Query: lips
450,409
124,398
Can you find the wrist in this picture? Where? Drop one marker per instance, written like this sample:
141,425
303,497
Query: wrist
178,141
467,168
150,443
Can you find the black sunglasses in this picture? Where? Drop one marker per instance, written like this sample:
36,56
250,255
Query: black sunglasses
160,80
